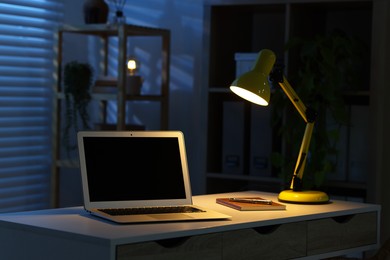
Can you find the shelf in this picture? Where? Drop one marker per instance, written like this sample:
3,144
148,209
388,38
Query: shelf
112,29
110,89
240,130
100,96
353,97
112,96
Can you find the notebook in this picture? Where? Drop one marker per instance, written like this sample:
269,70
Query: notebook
139,171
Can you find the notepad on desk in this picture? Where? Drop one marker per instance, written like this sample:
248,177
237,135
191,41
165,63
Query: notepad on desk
250,203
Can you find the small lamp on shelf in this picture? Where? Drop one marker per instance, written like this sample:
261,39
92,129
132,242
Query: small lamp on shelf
133,81
254,87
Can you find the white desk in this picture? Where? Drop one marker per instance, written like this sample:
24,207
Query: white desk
300,231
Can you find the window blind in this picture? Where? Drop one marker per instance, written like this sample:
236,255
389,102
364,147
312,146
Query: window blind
26,78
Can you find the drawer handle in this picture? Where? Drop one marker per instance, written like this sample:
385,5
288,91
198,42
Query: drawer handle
172,242
266,229
343,219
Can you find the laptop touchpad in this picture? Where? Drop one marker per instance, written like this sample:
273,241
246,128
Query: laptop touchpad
169,216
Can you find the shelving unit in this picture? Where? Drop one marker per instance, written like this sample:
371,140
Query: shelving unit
248,27
117,93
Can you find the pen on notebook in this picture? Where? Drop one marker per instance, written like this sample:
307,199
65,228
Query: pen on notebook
255,201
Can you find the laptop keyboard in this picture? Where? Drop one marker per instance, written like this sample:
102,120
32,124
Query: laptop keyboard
150,210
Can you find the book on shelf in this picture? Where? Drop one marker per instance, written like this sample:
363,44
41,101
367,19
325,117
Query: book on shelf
250,203
105,84
106,81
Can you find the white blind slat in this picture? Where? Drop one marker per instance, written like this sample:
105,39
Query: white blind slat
27,30
41,4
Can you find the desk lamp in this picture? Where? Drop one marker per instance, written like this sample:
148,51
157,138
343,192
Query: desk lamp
254,87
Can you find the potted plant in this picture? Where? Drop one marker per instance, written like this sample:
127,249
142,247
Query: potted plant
77,83
328,66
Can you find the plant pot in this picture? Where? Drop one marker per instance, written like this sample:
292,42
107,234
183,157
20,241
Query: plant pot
95,11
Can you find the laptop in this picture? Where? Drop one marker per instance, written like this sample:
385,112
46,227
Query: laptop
138,176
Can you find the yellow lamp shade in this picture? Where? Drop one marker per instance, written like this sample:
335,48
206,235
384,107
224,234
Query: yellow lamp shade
254,85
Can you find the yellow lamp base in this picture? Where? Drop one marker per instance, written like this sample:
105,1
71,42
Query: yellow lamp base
304,197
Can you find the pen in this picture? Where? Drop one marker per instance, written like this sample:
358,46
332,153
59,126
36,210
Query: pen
254,201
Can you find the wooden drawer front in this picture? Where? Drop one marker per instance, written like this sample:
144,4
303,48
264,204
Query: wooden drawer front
187,248
281,242
331,234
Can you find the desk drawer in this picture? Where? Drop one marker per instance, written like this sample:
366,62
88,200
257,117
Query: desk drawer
331,234
196,247
276,242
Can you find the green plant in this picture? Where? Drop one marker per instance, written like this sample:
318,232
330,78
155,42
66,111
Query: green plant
328,65
77,84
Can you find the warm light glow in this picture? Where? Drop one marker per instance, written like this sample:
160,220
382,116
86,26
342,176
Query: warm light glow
254,85
132,66
248,95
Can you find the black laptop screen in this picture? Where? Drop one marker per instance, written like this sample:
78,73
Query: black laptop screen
133,168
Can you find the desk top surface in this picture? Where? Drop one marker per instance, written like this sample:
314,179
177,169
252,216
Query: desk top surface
76,223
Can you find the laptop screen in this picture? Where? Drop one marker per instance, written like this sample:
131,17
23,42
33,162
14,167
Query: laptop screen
130,168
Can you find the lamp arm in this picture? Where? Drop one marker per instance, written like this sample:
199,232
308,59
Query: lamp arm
296,182
308,116
292,95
